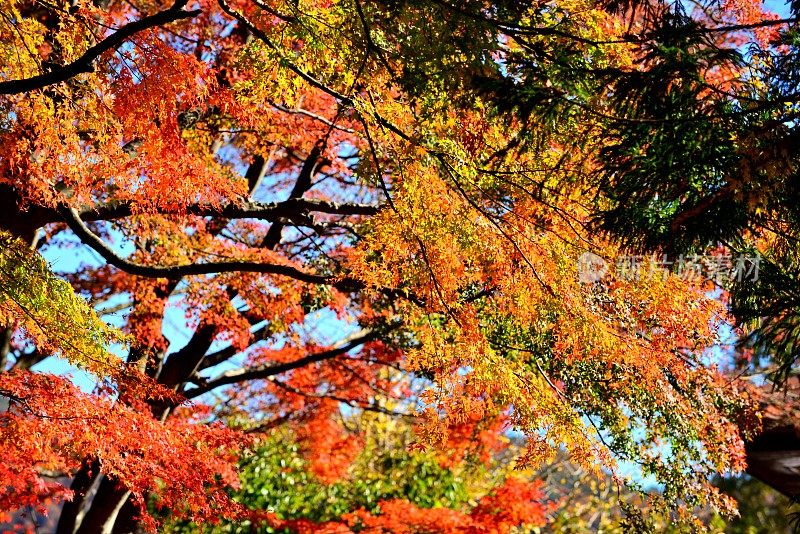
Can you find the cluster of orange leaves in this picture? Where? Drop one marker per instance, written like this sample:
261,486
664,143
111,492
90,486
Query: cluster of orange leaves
52,427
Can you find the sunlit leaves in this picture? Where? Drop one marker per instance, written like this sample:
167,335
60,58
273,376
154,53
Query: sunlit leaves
50,313
50,426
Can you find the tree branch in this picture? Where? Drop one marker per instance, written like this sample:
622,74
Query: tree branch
262,36
354,403
291,208
85,62
91,239
225,354
266,371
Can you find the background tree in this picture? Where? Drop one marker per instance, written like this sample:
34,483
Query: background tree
388,487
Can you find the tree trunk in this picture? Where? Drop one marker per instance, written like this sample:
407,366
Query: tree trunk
81,485
127,522
104,508
5,346
773,457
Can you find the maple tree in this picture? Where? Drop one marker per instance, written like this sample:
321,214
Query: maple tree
377,205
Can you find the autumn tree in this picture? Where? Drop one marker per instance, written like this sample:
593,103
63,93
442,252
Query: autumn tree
376,205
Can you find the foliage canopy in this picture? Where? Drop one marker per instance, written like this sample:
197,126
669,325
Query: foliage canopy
301,209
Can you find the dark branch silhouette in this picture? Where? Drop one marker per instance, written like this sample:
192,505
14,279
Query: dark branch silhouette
91,239
85,63
266,371
270,211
